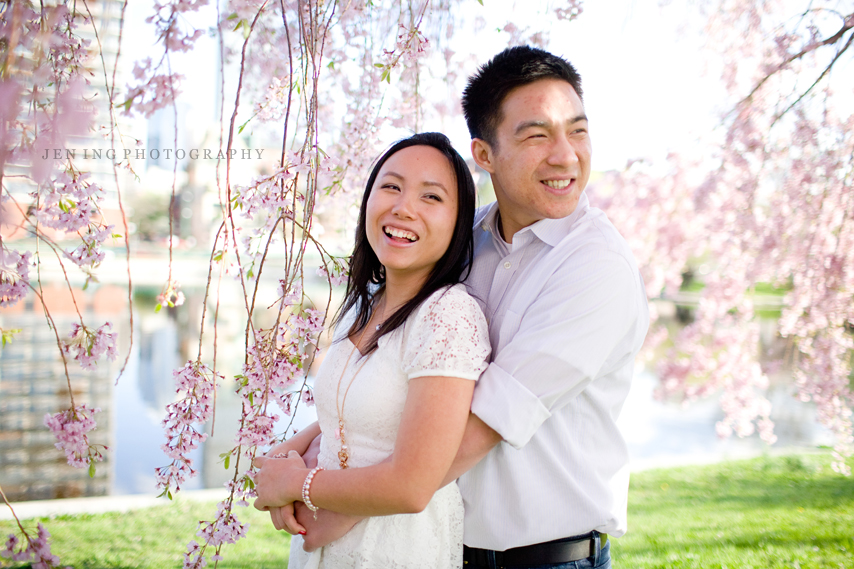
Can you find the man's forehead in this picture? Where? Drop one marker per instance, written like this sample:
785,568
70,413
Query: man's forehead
532,100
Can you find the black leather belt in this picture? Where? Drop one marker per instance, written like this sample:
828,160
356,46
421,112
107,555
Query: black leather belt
557,551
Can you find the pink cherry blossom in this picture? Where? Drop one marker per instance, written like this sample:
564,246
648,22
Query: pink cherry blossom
195,384
87,346
37,551
14,276
171,296
70,428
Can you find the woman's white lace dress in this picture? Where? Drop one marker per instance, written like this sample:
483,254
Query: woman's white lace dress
445,336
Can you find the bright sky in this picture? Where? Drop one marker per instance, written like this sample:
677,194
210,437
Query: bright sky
644,87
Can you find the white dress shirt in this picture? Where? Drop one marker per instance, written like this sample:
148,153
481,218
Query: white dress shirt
567,313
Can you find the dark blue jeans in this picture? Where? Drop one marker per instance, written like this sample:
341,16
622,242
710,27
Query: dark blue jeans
604,562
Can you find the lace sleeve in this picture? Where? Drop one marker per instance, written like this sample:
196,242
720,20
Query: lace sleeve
448,337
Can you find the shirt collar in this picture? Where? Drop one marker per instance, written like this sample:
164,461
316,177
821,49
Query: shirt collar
549,231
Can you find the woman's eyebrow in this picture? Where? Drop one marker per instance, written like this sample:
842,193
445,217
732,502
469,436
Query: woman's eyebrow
430,183
436,185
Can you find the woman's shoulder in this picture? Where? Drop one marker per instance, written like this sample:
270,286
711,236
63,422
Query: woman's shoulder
450,297
448,336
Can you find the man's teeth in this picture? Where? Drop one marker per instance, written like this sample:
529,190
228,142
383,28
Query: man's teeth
557,184
401,234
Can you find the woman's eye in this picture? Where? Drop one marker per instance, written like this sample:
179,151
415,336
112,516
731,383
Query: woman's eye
433,197
391,187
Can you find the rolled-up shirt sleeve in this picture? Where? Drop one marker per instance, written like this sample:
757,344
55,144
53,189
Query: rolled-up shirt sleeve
571,333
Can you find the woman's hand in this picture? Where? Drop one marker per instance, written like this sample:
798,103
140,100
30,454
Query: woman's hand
278,481
284,518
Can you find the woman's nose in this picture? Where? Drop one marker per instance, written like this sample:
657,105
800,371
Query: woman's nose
403,206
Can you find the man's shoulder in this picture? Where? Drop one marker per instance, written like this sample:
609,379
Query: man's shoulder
593,233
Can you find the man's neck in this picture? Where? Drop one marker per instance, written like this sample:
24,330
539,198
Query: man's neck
504,230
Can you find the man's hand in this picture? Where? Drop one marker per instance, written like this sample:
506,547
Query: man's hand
328,527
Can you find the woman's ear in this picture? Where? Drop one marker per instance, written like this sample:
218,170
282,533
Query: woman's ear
483,154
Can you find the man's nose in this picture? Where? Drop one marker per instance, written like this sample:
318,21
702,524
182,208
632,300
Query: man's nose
563,152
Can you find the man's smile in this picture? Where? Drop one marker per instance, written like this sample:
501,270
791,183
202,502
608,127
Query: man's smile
558,184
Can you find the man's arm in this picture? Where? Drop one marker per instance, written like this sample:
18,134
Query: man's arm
478,439
565,338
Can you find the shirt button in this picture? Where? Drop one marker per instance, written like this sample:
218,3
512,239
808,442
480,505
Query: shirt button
507,265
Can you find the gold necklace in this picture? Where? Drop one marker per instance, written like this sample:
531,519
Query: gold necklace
344,452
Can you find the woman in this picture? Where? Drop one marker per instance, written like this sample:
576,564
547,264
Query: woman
394,391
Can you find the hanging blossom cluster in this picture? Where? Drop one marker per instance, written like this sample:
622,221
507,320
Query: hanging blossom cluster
87,346
14,276
766,212
337,274
37,550
90,252
156,86
225,528
43,86
411,45
45,95
273,201
195,383
170,297
275,102
68,203
270,196
276,362
70,428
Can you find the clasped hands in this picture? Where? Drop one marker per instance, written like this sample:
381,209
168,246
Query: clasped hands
278,483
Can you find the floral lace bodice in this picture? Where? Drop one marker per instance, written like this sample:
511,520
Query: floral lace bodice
446,336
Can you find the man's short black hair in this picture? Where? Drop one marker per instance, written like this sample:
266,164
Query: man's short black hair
514,67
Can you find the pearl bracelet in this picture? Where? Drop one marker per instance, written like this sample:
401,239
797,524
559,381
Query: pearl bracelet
306,486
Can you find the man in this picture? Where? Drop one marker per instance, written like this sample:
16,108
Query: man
567,315
542,468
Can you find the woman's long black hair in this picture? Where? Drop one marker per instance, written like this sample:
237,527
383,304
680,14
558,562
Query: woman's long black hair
367,275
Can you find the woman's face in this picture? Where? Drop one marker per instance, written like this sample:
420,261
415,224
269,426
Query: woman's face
412,212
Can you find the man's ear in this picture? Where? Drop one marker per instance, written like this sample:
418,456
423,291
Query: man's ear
483,154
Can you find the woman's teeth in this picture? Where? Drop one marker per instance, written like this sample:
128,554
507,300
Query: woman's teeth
400,233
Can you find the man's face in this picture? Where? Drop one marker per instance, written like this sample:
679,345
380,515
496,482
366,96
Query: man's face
540,162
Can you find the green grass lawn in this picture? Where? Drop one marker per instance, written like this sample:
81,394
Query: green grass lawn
791,511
